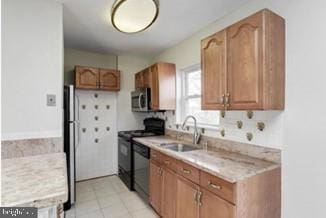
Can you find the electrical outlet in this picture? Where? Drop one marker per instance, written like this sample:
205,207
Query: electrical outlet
50,100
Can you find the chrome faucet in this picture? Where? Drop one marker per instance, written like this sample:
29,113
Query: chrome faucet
196,134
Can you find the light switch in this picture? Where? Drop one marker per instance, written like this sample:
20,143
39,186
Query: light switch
50,100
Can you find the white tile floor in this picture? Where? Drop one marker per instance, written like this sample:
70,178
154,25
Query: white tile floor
108,197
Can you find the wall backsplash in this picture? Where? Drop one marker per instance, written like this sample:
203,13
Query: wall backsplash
271,136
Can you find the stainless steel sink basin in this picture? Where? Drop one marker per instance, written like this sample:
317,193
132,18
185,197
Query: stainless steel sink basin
179,147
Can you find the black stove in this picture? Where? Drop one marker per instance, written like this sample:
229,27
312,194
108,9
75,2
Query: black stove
153,127
128,135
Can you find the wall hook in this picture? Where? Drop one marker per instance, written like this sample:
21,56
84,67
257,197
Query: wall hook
250,114
239,124
261,126
249,136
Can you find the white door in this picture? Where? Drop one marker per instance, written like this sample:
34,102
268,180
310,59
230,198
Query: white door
96,152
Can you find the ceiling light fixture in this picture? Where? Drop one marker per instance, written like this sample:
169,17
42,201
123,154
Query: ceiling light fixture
133,16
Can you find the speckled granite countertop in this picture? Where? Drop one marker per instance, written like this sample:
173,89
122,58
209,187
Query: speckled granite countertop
35,181
232,167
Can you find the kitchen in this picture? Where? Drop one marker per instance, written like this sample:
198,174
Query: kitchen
197,113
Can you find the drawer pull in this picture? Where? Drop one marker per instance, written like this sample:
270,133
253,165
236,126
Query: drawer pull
185,171
212,185
167,162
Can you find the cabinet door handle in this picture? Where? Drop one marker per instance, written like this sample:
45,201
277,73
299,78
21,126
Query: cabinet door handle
185,171
196,197
199,198
223,99
227,100
214,186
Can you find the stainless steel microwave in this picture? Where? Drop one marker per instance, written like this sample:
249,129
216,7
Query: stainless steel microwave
140,100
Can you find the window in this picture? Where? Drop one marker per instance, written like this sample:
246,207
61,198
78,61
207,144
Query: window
191,98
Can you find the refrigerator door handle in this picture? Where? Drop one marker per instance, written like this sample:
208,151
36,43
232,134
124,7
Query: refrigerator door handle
77,100
72,165
78,133
77,121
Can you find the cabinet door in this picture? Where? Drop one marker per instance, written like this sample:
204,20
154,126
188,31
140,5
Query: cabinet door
146,78
213,60
214,207
155,95
86,77
155,187
245,63
109,80
186,203
137,80
169,186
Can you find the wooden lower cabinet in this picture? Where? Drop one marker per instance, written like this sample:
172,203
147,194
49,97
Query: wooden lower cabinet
169,188
212,206
155,186
174,195
186,197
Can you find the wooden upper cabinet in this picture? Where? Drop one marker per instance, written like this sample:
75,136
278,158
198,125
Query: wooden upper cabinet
139,80
155,186
86,77
245,63
109,80
96,78
214,207
186,199
164,80
146,78
161,79
213,59
169,188
255,57
155,89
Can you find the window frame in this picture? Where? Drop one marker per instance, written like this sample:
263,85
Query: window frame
185,96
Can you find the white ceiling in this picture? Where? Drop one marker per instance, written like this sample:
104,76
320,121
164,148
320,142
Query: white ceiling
87,25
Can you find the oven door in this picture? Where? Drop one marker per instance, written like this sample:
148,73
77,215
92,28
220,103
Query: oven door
125,159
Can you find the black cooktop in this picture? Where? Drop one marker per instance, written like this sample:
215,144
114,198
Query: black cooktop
153,127
136,133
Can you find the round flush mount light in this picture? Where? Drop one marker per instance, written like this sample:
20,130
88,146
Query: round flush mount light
133,16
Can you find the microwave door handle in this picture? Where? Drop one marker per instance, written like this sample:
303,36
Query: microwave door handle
139,101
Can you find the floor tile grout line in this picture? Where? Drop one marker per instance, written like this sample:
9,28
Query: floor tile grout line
116,191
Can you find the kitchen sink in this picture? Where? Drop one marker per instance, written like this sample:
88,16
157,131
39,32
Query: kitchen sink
179,147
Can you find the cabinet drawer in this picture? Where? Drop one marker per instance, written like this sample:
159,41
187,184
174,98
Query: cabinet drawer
188,171
218,186
169,162
156,156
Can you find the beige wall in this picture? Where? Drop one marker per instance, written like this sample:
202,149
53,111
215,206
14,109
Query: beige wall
303,129
74,57
187,53
128,66
32,67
